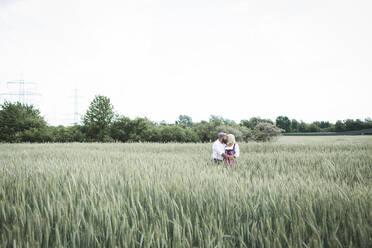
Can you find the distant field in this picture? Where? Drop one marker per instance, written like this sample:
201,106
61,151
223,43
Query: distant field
294,192
350,139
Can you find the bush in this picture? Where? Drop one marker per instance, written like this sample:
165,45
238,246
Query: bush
252,122
266,132
173,133
206,131
141,130
21,123
120,129
34,135
241,133
66,134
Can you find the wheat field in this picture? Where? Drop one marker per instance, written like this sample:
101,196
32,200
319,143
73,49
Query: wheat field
295,192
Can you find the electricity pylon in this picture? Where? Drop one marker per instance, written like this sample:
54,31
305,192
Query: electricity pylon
23,92
76,106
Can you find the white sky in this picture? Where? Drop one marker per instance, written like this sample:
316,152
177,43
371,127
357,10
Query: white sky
309,60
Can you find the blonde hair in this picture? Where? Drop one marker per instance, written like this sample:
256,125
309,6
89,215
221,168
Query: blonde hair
230,139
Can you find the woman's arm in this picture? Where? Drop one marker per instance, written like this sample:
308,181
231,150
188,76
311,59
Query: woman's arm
237,151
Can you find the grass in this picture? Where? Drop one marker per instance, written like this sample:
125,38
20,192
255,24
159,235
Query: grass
295,192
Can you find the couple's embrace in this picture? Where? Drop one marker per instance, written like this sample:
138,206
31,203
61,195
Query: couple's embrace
225,149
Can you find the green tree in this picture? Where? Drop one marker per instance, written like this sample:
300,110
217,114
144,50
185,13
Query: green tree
253,121
121,128
351,125
98,118
266,131
219,120
367,122
339,126
172,133
325,125
206,131
294,125
21,123
66,134
302,127
241,133
313,127
184,120
138,130
283,122
163,123
142,129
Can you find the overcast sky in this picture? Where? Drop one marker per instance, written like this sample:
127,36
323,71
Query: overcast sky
309,60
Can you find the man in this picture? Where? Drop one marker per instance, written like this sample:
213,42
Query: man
218,148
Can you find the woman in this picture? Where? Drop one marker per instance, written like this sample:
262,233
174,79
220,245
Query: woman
231,150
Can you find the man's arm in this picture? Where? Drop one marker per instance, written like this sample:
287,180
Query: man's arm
214,148
218,150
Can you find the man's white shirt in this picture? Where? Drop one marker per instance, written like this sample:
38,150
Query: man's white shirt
218,149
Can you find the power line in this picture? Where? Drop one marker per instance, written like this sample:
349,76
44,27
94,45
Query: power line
23,92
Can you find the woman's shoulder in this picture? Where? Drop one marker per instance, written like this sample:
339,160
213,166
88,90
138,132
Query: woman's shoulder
234,146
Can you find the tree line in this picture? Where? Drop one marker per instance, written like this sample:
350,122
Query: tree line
321,126
24,123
